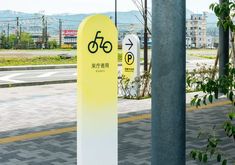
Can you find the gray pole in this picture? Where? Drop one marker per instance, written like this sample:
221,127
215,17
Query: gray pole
43,31
223,48
8,34
60,32
20,32
145,36
17,32
116,13
168,82
46,35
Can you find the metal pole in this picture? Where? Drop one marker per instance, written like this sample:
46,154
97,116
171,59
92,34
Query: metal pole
20,32
223,48
17,32
168,82
116,13
145,36
8,34
46,35
60,32
43,31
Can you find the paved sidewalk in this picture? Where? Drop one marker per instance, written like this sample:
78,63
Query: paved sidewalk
23,107
134,142
33,109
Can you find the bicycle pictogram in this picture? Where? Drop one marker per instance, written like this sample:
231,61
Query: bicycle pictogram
105,45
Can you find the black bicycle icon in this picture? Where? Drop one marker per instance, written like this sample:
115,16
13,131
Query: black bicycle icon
93,45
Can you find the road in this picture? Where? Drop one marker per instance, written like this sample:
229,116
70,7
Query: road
25,76
31,76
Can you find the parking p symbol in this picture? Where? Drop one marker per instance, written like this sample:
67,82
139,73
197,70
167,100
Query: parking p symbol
129,58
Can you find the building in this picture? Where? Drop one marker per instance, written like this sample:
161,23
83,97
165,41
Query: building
196,31
69,38
209,42
188,42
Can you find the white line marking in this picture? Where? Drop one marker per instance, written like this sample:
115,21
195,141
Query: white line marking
8,78
75,74
48,74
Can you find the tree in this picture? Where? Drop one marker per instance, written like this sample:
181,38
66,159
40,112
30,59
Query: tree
25,40
145,20
52,44
211,87
140,6
12,40
3,41
224,12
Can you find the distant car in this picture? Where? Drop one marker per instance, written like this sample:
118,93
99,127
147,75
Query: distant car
65,55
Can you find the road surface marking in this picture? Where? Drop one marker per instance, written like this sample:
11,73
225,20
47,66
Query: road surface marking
220,103
134,118
75,74
9,78
58,131
48,74
37,135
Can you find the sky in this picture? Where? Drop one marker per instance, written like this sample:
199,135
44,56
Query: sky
85,6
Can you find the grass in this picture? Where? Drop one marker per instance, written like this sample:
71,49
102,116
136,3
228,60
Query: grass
203,56
42,60
16,60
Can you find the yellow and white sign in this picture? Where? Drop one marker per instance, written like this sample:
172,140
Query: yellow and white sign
97,91
131,56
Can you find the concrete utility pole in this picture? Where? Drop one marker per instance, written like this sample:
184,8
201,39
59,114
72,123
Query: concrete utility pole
223,48
20,32
43,31
46,35
8,33
17,32
145,36
168,82
60,33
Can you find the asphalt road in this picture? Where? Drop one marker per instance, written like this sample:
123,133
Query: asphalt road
26,76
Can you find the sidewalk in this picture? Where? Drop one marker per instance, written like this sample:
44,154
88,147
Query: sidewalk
34,110
134,141
34,106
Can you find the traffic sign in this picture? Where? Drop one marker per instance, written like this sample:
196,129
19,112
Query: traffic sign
97,91
131,56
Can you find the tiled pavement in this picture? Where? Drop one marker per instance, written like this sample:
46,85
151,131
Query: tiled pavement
35,106
134,142
204,121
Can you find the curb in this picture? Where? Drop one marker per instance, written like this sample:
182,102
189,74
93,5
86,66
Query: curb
37,83
37,67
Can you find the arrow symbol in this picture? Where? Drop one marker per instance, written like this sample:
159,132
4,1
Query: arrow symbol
9,78
130,44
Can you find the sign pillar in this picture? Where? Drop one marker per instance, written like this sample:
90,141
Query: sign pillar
131,59
131,56
97,91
